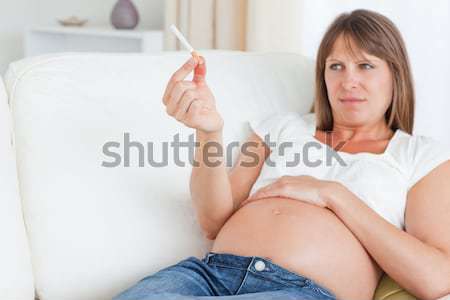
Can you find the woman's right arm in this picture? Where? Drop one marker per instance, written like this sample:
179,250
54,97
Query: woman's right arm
216,193
211,190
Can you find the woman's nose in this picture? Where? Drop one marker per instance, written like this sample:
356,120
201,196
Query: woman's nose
350,80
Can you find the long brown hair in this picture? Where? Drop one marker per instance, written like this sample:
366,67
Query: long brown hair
376,35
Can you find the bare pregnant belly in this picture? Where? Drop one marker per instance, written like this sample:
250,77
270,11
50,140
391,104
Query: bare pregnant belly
306,239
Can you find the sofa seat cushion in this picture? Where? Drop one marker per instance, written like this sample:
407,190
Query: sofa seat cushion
388,289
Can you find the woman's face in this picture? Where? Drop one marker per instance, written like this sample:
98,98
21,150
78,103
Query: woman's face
359,88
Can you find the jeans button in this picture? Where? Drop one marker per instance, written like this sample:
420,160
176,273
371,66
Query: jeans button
260,265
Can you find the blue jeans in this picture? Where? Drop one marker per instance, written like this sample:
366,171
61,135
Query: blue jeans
220,276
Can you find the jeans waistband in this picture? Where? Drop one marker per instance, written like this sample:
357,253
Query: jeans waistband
266,268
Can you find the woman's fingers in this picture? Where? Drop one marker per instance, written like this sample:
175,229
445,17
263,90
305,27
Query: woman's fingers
184,105
261,193
200,72
194,113
179,75
274,189
178,91
192,102
258,195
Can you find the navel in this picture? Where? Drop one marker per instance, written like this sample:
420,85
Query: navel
276,211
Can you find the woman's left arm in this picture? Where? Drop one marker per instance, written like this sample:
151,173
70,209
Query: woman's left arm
418,259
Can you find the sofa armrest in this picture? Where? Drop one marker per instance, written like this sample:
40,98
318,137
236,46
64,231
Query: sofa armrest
16,278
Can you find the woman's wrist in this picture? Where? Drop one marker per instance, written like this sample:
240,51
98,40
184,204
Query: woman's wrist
331,192
209,135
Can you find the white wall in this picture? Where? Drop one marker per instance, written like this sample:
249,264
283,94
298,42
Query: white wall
14,17
17,15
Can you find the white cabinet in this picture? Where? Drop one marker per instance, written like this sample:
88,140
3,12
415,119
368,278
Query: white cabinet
44,40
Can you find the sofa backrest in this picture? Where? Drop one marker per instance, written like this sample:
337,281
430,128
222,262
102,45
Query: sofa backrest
94,230
16,279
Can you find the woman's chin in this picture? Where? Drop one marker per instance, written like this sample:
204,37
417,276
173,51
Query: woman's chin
353,118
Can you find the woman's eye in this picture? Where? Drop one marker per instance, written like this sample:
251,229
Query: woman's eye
366,66
336,67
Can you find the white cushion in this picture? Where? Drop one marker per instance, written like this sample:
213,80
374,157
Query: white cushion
95,230
16,279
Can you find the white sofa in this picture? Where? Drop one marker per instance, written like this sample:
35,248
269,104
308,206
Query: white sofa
73,229
90,231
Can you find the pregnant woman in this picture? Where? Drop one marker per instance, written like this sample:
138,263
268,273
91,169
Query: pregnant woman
319,228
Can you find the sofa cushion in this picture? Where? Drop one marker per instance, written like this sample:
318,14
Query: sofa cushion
16,279
388,289
94,230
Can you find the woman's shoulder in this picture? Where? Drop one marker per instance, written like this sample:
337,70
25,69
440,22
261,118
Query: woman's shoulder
418,144
420,154
288,117
279,123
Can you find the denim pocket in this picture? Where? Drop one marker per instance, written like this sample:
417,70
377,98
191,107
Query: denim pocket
278,281
229,277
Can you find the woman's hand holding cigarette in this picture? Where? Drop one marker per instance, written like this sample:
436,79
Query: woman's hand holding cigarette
192,102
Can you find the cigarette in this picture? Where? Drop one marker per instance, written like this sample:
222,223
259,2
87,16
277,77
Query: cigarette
184,41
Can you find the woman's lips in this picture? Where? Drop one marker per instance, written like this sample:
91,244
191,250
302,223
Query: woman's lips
352,100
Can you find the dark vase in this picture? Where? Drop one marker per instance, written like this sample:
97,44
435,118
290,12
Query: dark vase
124,15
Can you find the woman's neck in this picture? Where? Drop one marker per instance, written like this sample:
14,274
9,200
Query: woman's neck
372,132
